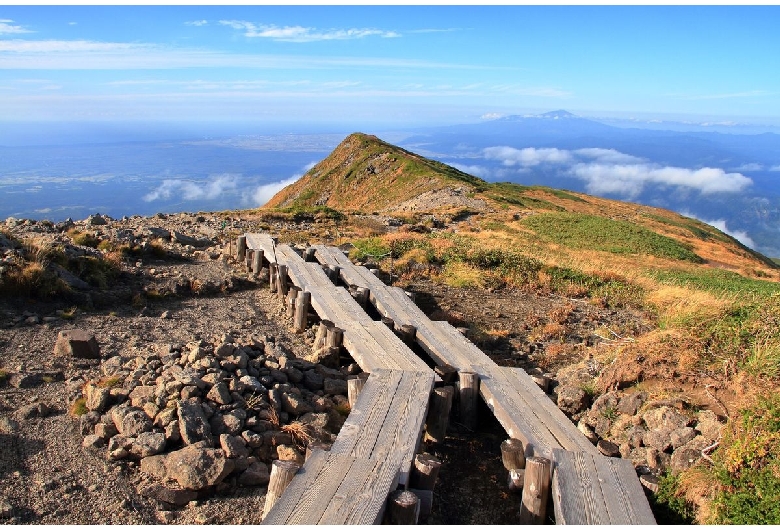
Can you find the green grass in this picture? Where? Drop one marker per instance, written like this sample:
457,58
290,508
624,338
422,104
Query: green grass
716,281
582,231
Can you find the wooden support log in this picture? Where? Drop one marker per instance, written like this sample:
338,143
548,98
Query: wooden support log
536,490
361,296
257,262
308,254
513,454
424,472
333,272
469,399
249,257
426,502
334,336
302,303
387,321
289,302
281,280
403,507
241,248
282,472
322,330
439,413
354,386
516,479
273,271
447,373
542,382
407,333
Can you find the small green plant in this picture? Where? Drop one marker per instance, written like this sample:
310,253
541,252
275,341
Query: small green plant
610,413
668,506
590,389
78,407
83,238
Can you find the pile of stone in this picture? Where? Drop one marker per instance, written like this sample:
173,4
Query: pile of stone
657,435
202,418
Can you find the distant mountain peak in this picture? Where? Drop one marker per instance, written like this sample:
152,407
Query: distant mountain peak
557,114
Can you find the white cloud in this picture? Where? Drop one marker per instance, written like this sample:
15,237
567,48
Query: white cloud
303,34
775,168
630,179
607,156
720,224
263,193
190,191
529,156
196,23
492,116
477,171
7,28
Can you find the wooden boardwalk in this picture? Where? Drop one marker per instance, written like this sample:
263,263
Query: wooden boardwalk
587,487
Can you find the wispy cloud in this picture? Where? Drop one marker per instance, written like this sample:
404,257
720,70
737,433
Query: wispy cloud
775,168
22,46
752,166
304,34
607,171
7,27
190,191
197,23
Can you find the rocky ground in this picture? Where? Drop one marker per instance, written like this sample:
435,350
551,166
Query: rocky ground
182,326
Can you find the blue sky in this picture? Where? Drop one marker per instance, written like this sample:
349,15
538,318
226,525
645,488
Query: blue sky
392,65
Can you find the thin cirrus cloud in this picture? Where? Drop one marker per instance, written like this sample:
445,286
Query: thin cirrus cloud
7,27
607,171
197,23
303,34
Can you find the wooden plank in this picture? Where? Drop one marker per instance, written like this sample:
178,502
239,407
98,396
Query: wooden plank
294,497
368,416
361,498
567,434
627,503
516,417
264,242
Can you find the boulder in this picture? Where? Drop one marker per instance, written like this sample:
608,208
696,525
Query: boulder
77,343
334,386
665,418
681,436
289,452
96,398
219,393
167,493
193,425
234,446
295,404
196,468
631,403
148,444
312,380
708,425
572,399
255,475
132,422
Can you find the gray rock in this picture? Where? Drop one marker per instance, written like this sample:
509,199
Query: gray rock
77,343
255,475
96,398
681,436
186,376
631,403
334,386
312,380
572,399
197,468
134,422
252,439
154,466
660,440
294,404
665,418
142,394
234,446
105,430
168,493
119,447
93,441
219,393
193,425
252,384
708,425
608,448
148,444
229,423
657,460
294,375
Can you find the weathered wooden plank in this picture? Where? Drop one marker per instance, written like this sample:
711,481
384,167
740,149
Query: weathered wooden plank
517,418
567,434
294,497
367,418
627,503
263,242
361,497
